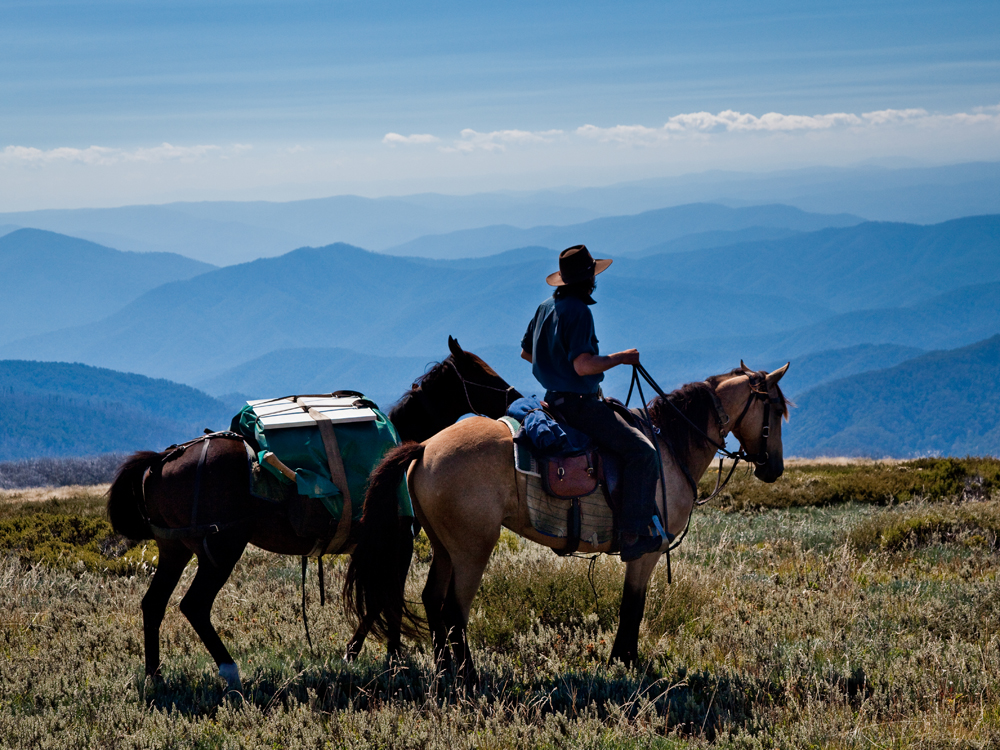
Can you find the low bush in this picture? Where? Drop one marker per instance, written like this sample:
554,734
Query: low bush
935,479
975,525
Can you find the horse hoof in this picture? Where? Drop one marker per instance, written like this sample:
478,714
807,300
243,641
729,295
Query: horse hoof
231,674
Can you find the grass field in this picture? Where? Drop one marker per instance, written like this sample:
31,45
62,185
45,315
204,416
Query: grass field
848,605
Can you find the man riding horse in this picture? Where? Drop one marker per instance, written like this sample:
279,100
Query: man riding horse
561,346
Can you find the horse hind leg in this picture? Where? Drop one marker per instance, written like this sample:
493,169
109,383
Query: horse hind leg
216,559
456,625
436,593
174,557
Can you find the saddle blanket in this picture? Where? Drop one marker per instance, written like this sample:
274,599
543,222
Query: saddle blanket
551,515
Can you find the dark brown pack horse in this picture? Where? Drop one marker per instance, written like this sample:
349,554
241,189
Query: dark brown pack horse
464,489
170,497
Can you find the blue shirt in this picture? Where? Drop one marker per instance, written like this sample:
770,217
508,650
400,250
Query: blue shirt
561,331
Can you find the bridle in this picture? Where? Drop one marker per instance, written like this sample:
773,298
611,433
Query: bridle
758,392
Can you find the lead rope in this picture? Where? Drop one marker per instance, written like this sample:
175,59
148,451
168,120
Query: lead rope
305,619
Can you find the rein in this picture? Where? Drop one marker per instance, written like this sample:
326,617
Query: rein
756,380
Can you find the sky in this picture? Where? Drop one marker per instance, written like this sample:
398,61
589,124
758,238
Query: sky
145,101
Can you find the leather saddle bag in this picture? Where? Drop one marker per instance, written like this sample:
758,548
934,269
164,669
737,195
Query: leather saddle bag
569,477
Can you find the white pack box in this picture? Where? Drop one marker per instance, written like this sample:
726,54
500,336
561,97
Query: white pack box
279,413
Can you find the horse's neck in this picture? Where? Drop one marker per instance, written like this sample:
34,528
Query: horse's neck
680,496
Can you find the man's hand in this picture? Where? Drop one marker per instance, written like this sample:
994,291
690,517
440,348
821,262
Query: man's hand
592,364
628,357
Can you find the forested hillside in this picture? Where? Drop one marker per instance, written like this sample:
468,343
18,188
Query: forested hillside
941,403
60,409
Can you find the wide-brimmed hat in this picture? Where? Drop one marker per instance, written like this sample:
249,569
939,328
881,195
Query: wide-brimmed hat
576,265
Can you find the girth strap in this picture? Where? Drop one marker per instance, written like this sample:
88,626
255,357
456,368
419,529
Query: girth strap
190,532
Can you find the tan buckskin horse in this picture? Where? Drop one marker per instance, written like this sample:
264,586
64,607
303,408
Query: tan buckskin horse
209,512
464,489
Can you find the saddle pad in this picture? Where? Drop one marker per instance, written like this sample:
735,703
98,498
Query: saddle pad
550,515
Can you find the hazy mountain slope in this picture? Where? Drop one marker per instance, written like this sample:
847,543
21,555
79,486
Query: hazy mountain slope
340,296
945,402
51,281
321,370
163,228
715,238
956,318
229,232
870,265
810,370
61,409
8,228
620,234
922,195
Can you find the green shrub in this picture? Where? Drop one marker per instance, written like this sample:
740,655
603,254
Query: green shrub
73,542
975,525
819,484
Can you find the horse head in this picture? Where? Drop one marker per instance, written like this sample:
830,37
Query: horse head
461,383
758,426
486,392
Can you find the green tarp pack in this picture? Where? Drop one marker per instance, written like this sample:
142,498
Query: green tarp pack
362,446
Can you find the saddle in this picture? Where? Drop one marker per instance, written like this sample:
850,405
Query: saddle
575,496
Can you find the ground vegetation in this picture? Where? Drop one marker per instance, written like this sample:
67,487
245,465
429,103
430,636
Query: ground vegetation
850,605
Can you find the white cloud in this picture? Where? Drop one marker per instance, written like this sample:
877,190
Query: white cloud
394,139
102,155
730,121
498,140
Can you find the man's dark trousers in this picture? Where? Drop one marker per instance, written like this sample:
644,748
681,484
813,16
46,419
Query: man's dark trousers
610,432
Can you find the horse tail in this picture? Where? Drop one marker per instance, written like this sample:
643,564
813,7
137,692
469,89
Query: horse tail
373,589
125,501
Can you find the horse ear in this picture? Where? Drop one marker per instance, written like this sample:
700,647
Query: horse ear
774,377
454,347
745,369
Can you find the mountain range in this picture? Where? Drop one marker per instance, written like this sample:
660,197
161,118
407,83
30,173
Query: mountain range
51,281
344,297
642,233
944,402
224,233
839,301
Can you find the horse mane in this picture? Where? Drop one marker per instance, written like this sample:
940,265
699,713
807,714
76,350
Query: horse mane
695,401
434,374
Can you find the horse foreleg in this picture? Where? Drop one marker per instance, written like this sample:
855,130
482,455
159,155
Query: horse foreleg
213,571
173,557
637,575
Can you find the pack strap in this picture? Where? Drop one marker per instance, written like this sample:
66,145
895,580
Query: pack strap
337,472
